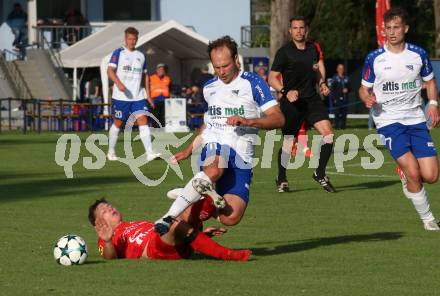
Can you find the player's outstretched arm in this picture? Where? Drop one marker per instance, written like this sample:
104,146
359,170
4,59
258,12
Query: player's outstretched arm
273,119
185,153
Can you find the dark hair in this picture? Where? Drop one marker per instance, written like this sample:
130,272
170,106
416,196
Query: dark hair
92,208
225,41
298,18
394,12
132,31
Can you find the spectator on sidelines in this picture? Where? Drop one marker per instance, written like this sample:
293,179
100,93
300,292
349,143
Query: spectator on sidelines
95,98
17,22
159,90
339,91
73,17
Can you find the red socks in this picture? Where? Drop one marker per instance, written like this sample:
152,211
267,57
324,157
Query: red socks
203,209
205,245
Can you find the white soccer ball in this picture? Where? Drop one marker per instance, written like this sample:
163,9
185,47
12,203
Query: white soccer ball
70,250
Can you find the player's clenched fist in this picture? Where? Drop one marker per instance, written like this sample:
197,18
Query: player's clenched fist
292,95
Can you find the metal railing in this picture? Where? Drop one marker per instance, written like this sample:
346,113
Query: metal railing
16,78
54,54
51,115
58,37
55,58
255,36
12,55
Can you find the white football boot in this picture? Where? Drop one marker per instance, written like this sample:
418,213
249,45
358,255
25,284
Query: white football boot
204,187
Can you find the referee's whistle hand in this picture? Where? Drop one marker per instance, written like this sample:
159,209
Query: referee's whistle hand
292,95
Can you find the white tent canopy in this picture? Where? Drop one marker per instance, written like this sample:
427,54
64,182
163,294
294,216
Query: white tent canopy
169,42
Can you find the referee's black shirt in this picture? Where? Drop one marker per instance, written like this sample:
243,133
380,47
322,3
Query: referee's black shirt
298,67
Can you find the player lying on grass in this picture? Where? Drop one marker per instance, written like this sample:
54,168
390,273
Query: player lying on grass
137,239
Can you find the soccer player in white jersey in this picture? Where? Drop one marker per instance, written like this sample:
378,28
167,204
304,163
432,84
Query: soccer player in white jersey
235,100
392,79
128,70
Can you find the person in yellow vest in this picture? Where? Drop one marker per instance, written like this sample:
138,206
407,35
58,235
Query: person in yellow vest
159,91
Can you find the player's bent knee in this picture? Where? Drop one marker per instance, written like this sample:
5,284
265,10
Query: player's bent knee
414,176
230,220
430,179
142,120
118,123
234,211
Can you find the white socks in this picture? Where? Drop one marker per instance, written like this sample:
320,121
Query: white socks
421,204
112,138
188,197
144,132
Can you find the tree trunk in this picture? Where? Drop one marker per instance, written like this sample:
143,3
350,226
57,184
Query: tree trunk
437,27
281,12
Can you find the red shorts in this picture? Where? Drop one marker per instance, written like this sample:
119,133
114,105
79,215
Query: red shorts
157,249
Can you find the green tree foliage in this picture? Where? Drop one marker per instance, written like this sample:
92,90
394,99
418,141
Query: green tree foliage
347,28
421,22
343,28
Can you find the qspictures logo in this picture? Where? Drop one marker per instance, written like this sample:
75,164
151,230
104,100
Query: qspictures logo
346,148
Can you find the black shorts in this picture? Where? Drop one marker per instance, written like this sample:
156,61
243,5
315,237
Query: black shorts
310,110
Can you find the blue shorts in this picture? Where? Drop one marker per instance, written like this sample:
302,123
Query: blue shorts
123,109
401,139
236,178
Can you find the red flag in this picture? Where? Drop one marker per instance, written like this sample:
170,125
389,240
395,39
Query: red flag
381,7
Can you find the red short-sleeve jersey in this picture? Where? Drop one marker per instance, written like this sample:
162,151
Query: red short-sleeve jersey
131,238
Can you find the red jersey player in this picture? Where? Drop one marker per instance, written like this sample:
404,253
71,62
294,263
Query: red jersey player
137,239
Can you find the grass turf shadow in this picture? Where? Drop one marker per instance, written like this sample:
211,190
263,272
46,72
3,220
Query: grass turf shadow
31,189
325,241
367,185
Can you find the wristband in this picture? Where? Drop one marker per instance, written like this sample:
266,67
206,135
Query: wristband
323,82
283,91
433,102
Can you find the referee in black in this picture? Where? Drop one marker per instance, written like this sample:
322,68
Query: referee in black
301,65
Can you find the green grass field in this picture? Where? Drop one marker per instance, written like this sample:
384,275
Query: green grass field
365,240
